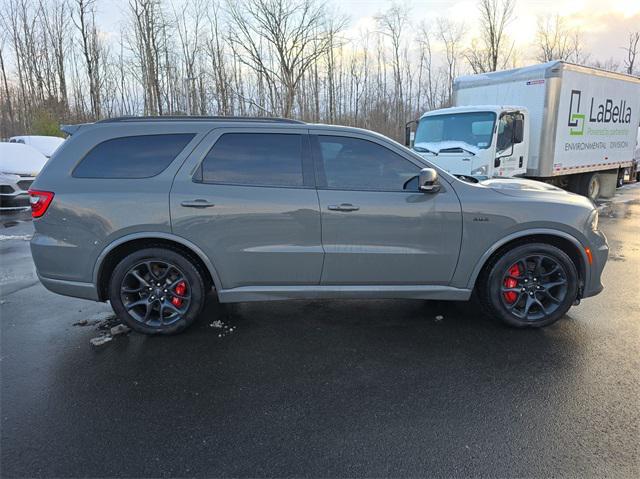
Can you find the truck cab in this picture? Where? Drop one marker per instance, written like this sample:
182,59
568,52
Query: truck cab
480,141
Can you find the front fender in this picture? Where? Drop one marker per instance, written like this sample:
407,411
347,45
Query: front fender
524,234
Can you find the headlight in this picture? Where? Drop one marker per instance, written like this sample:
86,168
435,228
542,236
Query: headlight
480,171
593,220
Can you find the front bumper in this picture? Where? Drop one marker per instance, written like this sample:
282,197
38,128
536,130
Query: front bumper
599,252
14,193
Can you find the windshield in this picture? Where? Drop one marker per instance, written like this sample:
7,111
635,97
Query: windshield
475,129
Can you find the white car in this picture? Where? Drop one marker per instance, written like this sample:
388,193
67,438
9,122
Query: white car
19,165
44,144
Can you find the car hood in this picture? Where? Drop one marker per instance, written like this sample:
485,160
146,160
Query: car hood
515,185
536,191
20,159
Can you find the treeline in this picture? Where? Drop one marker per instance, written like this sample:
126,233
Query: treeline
291,58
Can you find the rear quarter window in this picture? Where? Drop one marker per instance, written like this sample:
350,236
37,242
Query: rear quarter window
132,156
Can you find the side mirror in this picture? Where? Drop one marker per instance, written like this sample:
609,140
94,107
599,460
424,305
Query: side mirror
496,163
518,130
428,181
407,133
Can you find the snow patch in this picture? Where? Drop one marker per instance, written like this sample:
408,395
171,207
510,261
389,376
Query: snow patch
15,237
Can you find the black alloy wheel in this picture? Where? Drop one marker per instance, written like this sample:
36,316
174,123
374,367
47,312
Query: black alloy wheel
530,285
534,287
157,291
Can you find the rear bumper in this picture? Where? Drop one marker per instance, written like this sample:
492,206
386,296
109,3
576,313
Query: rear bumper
70,288
53,259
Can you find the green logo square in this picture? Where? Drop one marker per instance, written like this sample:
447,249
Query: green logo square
575,131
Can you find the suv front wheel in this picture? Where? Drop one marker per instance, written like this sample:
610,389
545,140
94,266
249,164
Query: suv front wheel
532,285
157,291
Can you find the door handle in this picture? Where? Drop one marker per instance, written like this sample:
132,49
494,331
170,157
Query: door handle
343,207
199,203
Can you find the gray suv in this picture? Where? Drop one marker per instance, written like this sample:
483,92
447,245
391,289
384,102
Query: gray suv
153,213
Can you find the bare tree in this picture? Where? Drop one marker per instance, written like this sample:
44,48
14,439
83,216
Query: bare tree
55,18
217,58
428,77
491,52
334,43
632,52
610,64
148,22
251,57
7,109
279,40
554,39
392,23
451,36
189,21
85,21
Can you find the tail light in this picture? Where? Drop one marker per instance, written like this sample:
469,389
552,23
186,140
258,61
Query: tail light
40,201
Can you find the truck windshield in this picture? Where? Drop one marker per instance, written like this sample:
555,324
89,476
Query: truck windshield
474,128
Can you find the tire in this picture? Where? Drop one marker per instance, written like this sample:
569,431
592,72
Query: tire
157,291
591,185
620,179
515,270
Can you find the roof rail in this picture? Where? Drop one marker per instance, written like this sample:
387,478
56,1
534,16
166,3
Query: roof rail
262,119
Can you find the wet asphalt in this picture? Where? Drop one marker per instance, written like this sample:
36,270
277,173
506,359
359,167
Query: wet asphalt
324,388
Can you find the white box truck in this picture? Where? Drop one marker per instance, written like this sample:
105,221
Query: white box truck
565,124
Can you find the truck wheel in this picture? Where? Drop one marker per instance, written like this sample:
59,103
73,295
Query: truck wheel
620,180
591,185
157,291
574,183
532,285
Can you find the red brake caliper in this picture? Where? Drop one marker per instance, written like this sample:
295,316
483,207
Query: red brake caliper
511,282
180,289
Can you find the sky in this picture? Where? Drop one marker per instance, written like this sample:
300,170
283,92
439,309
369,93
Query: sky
604,24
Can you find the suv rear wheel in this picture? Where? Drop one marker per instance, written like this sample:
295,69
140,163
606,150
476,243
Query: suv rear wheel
532,285
157,291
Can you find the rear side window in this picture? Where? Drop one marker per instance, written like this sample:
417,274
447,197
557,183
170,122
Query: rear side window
132,156
254,159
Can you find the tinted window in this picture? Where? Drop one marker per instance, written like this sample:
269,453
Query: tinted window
132,156
352,163
261,159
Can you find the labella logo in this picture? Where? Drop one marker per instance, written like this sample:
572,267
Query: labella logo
606,112
576,119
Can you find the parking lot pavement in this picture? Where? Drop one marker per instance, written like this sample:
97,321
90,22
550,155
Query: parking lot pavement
324,388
